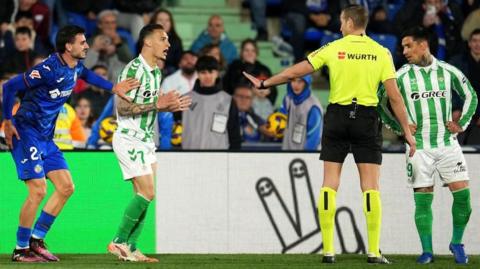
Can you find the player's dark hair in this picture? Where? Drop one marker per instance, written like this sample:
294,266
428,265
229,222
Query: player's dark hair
67,35
23,30
208,63
358,14
146,31
417,33
474,32
23,14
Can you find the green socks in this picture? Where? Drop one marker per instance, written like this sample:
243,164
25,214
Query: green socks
132,239
133,213
461,210
424,219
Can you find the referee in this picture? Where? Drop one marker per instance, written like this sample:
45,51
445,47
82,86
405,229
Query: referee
357,65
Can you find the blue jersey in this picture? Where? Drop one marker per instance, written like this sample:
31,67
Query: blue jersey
49,84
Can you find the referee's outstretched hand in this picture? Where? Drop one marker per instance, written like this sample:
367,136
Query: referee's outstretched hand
411,142
255,81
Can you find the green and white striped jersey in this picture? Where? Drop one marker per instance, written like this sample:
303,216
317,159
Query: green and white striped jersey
140,126
427,93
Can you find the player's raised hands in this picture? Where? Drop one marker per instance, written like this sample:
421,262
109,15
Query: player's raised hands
10,131
183,104
125,86
454,127
167,100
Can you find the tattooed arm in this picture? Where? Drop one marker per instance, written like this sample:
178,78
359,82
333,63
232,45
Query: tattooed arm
125,108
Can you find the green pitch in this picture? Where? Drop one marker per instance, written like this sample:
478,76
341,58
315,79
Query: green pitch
212,261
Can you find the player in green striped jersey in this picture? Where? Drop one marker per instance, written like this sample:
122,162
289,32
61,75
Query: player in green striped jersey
426,86
133,141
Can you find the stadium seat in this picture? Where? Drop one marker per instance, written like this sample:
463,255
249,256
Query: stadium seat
329,37
128,37
388,41
82,21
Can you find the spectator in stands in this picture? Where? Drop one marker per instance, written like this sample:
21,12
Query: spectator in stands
25,19
21,59
89,9
469,64
183,81
184,78
471,23
134,14
379,22
215,34
261,104
164,17
443,20
97,97
258,12
248,62
212,121
84,114
214,51
304,115
68,133
252,127
104,52
107,25
41,15
6,14
295,15
469,5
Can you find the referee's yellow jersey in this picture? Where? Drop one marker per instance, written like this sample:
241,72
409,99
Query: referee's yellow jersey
357,65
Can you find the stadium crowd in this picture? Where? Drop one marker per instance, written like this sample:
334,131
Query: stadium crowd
212,66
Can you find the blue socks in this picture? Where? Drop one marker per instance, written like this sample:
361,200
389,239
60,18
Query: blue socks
23,237
43,225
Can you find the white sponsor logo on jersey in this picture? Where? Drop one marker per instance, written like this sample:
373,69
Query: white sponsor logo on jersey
57,93
427,95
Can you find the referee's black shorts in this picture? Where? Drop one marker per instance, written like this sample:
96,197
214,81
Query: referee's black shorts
342,134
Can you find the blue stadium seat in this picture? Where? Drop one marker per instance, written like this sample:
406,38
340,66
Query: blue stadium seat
82,21
125,34
311,34
392,10
388,41
329,37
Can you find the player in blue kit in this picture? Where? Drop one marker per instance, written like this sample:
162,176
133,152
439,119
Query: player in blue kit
46,87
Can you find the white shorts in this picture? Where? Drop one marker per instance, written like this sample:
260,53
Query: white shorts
446,162
135,156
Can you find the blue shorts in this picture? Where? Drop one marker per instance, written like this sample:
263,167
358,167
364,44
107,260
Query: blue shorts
34,157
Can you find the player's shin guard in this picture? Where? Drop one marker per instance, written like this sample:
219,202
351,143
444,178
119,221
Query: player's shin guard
23,237
326,211
372,207
43,224
132,239
132,215
461,210
424,219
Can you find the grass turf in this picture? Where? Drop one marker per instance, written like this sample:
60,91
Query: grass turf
212,261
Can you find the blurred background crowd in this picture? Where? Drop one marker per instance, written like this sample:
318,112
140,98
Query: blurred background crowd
258,36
